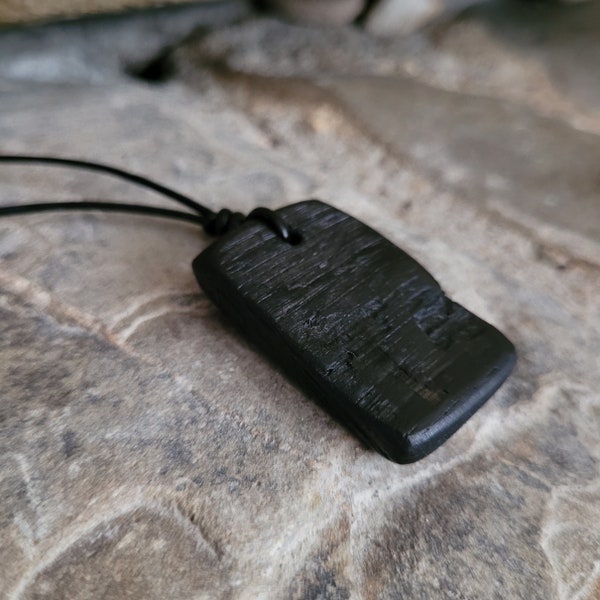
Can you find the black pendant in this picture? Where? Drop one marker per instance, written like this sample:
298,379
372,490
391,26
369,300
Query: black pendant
359,324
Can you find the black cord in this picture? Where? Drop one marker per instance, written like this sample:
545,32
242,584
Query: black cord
212,222
23,209
115,172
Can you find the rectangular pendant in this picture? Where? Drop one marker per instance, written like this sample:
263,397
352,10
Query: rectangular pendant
359,325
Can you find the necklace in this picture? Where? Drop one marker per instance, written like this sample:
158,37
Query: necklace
351,318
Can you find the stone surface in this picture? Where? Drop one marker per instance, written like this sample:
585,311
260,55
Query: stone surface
380,17
390,16
319,11
146,450
17,11
104,49
528,168
528,153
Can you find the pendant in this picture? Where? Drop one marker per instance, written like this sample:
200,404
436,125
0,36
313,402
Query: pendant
358,324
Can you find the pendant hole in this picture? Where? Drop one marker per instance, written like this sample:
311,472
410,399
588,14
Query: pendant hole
295,237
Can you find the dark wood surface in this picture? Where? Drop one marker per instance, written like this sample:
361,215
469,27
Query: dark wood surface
360,325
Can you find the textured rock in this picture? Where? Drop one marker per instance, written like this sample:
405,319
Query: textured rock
551,50
399,17
456,113
390,16
147,450
319,11
105,48
17,11
531,169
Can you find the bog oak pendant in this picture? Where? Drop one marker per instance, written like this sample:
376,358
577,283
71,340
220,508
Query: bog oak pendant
359,325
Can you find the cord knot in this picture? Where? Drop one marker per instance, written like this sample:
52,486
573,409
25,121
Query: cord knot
226,220
223,221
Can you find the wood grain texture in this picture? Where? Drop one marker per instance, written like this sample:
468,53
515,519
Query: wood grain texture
360,325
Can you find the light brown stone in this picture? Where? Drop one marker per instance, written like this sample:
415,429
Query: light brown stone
320,11
390,17
19,11
147,451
